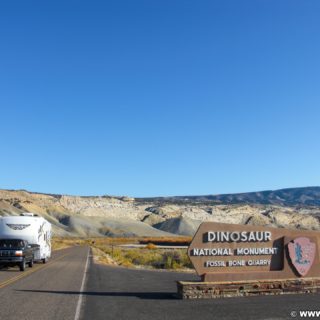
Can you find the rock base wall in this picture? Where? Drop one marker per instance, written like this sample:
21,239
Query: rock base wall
213,290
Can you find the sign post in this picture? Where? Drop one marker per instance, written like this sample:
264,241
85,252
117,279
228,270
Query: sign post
227,255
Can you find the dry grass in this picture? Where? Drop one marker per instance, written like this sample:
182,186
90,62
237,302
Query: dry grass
111,241
108,251
62,243
149,257
177,241
151,246
101,257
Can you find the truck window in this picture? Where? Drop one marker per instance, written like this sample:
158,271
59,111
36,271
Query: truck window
11,243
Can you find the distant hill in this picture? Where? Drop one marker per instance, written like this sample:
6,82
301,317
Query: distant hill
182,226
307,196
94,216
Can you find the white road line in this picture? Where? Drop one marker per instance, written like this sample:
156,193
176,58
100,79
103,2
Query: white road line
78,310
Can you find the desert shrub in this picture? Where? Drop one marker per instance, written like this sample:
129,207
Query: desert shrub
172,259
114,252
133,255
185,260
178,241
151,246
126,264
150,256
142,257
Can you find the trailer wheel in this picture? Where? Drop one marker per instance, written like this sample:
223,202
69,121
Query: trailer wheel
22,265
30,264
44,260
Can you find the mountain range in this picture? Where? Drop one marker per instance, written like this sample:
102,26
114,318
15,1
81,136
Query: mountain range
307,196
95,216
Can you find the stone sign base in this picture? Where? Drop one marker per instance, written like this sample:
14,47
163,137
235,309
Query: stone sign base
212,290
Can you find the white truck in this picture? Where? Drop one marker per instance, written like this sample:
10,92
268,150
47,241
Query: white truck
30,228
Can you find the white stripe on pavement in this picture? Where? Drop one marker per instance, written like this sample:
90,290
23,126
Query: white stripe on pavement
78,310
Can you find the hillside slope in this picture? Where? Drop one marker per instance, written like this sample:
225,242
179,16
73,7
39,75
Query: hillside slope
123,216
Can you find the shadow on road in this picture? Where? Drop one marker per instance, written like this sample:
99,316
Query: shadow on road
140,295
9,269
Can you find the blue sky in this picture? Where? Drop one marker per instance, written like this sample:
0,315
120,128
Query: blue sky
150,98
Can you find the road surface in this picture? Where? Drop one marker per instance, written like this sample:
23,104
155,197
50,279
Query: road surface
23,296
70,288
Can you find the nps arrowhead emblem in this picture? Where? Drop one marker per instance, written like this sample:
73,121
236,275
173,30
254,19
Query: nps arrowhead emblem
302,254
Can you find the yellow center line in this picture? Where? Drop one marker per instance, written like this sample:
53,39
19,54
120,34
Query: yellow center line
25,274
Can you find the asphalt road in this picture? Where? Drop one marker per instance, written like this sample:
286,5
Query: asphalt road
56,291
118,293
28,295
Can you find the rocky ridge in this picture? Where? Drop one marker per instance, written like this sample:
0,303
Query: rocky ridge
124,216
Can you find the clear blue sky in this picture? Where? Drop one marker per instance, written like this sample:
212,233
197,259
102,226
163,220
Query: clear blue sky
147,98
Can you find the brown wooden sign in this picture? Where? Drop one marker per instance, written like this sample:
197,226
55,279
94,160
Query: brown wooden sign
229,252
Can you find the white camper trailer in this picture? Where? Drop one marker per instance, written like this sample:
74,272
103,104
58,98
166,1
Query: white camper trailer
32,228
